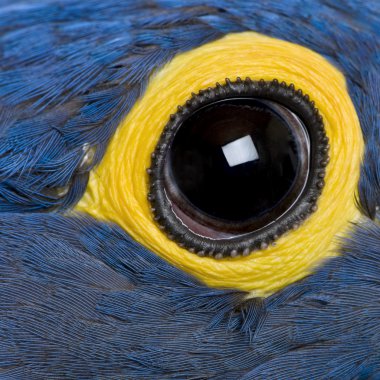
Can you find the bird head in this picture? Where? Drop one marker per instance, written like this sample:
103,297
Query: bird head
208,172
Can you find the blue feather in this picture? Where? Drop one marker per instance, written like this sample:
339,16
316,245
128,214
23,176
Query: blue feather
88,62
81,300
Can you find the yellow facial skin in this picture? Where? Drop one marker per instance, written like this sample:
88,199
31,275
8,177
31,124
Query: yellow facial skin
118,187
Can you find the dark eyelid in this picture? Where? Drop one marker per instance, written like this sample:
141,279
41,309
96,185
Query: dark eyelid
215,223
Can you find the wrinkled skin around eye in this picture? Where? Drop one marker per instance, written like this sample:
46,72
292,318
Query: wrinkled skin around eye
80,299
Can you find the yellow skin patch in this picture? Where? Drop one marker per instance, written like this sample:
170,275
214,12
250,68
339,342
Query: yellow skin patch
118,187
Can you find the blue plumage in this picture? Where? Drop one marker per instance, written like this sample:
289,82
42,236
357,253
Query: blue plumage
68,81
78,298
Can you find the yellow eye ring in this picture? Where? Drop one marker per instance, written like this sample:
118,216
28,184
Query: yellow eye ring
118,188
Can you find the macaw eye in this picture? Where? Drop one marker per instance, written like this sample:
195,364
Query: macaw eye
237,166
235,174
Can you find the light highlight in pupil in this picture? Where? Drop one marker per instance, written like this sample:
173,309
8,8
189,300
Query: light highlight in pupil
240,151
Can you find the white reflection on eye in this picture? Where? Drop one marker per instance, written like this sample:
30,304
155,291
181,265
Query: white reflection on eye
240,151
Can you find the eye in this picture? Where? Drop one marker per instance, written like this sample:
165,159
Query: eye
251,182
237,166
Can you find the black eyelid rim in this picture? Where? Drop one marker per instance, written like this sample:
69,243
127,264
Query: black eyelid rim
288,96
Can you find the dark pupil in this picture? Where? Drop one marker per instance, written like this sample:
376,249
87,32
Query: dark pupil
237,164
